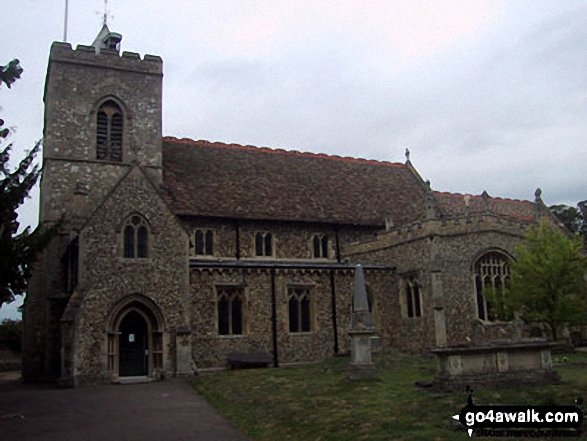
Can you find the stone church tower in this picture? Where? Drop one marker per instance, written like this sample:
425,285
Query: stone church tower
102,116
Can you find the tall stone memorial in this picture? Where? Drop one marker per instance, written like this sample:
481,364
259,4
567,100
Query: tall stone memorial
361,332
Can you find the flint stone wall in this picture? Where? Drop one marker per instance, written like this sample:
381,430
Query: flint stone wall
211,349
291,240
107,278
450,249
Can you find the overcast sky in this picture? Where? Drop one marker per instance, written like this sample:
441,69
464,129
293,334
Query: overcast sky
487,95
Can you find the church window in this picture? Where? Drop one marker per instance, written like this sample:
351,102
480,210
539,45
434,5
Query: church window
69,267
492,273
263,244
320,245
413,299
299,305
230,304
135,238
204,243
109,132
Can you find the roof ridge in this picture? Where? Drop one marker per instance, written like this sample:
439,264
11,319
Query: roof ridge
203,142
495,198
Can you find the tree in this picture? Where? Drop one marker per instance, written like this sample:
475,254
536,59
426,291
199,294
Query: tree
548,280
583,228
17,250
11,334
570,217
10,73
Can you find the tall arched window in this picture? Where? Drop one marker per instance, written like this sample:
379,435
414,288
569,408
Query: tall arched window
136,238
230,303
320,245
204,242
492,273
109,132
263,244
413,297
300,312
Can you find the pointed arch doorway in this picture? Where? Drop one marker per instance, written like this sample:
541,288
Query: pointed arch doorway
135,338
133,346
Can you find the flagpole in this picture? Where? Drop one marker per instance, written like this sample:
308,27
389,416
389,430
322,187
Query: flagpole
65,21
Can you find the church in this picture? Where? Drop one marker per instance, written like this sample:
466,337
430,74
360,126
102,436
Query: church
173,253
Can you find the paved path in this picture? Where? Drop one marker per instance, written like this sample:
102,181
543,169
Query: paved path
168,411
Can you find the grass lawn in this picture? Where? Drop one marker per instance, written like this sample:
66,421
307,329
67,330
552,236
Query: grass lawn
318,402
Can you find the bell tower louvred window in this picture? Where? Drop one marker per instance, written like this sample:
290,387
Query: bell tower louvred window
109,132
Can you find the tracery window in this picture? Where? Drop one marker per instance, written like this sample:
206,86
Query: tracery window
492,273
136,238
320,246
413,298
204,242
230,305
109,132
263,244
300,309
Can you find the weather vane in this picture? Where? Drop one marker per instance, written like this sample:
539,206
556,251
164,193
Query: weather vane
106,14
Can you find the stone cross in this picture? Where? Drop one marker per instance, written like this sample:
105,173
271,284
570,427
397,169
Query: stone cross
362,329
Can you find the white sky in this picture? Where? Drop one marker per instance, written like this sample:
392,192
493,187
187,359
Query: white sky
487,95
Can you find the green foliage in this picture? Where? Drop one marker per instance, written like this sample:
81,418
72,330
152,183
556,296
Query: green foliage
17,250
10,73
572,218
548,280
11,334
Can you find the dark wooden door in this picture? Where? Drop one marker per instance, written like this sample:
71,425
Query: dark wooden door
133,346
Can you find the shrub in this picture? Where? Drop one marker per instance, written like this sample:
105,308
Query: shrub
11,334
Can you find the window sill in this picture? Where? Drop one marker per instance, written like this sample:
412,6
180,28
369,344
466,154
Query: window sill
302,334
135,261
231,337
494,322
288,259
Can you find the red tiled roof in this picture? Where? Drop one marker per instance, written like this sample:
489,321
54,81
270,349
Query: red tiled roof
455,204
227,180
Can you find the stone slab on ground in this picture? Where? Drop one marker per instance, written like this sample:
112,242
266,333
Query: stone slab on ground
10,376
168,410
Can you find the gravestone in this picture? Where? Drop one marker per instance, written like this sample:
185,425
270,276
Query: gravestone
495,365
361,332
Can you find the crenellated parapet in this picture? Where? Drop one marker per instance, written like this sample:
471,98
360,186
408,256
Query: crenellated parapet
105,58
431,228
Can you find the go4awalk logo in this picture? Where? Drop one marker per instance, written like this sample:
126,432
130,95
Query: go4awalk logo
518,421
